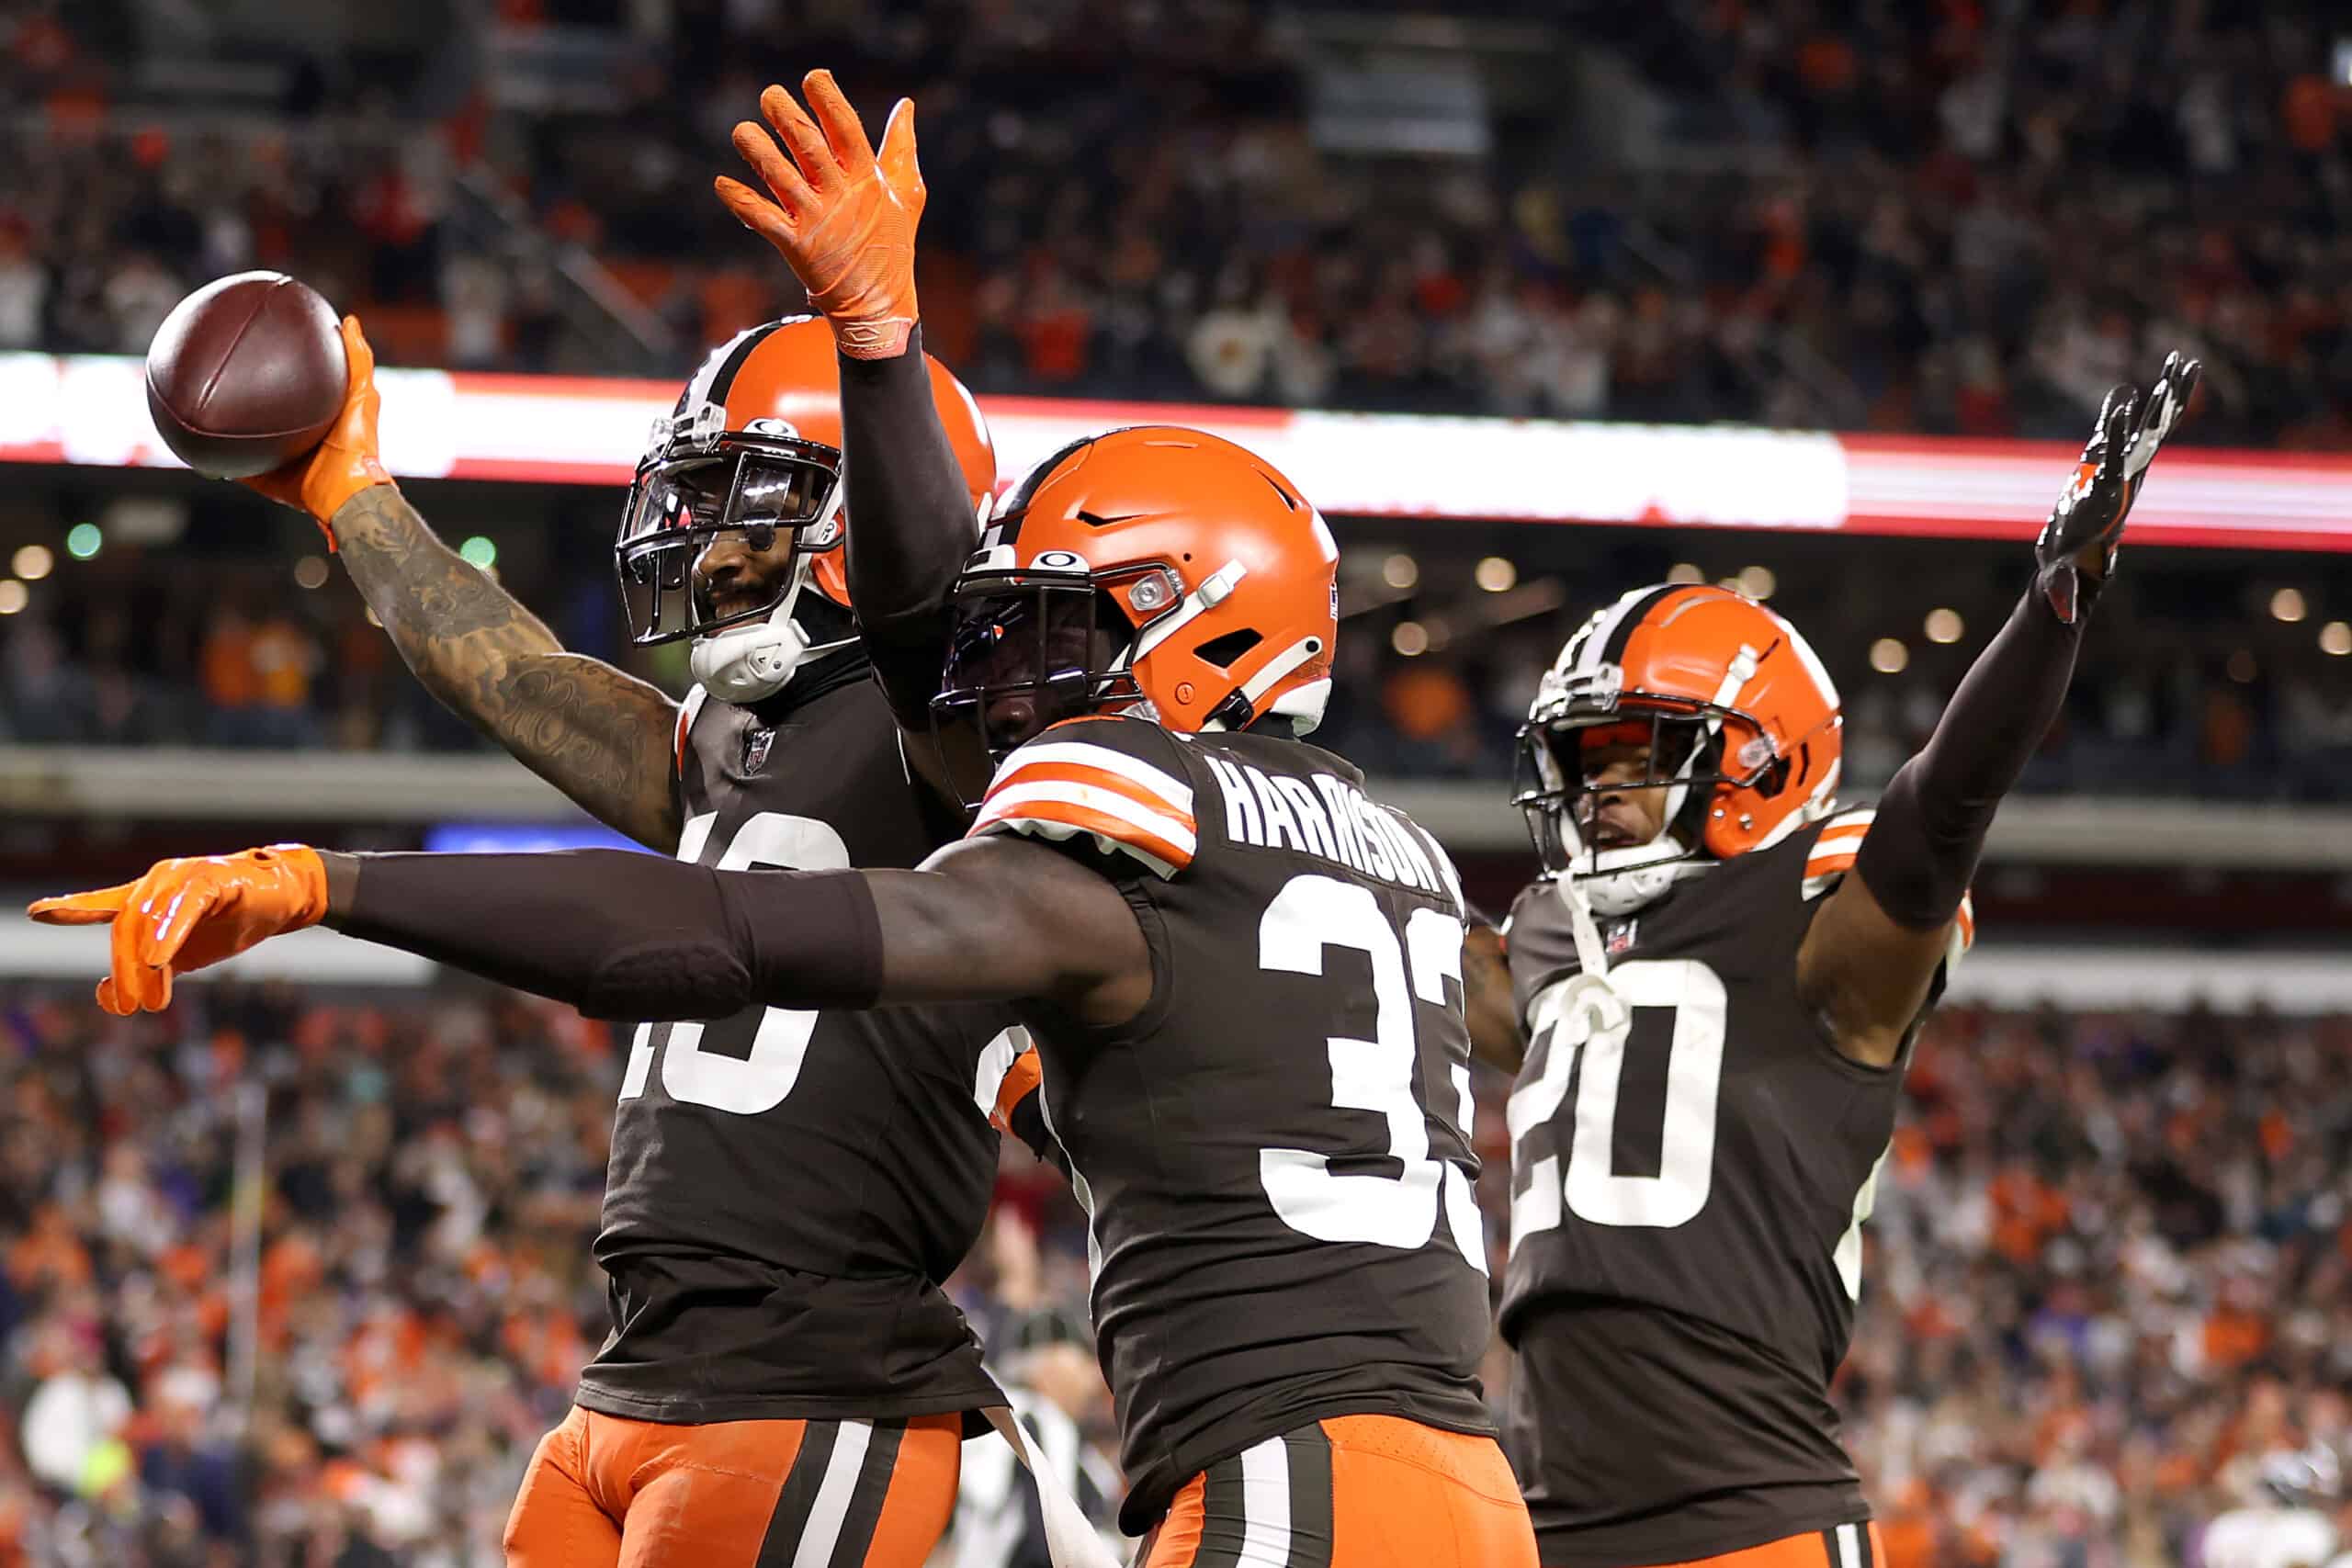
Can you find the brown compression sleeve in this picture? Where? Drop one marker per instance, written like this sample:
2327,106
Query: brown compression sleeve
629,936
1921,852
911,528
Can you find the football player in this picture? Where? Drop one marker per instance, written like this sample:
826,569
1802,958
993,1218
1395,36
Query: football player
1721,975
1243,975
788,1185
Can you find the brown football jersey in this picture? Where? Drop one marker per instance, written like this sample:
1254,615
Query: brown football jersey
1273,1154
1686,1201
787,1189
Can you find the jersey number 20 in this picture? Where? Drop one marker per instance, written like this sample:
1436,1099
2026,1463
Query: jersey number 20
1313,913
746,1085
1595,1192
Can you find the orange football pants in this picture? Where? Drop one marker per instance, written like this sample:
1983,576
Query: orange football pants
1353,1492
603,1492
1847,1546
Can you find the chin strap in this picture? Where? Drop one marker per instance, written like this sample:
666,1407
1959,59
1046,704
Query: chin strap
1590,1006
1070,1541
752,662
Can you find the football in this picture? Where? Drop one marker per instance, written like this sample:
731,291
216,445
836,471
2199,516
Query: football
245,374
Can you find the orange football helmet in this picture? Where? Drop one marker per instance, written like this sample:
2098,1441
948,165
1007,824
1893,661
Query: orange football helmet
1156,569
1742,723
754,448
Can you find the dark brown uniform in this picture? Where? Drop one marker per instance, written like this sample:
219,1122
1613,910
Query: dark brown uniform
1289,1272
786,1192
1686,1206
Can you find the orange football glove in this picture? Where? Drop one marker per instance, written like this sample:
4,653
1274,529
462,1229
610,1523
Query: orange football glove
344,463
845,220
185,914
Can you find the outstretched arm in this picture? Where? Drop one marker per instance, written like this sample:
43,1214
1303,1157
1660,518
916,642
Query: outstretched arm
844,218
1871,954
629,936
915,529
601,736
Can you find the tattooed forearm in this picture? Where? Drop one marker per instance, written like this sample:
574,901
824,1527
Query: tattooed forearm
600,736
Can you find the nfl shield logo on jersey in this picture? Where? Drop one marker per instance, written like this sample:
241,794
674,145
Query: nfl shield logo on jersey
1620,936
755,748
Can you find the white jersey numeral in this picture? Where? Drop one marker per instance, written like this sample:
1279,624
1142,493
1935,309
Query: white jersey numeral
757,1082
1593,1190
1310,915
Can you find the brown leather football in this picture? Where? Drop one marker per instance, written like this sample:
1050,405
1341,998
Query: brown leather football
245,374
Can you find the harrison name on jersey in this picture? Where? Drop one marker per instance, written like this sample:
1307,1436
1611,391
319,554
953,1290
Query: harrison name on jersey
1063,789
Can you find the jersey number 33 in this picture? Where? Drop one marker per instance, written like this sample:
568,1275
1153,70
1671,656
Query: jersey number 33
1314,913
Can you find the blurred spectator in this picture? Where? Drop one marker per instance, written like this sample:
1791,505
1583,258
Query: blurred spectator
2106,1283
1871,217
74,1421
2172,705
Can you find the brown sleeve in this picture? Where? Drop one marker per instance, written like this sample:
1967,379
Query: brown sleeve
1922,852
628,936
911,528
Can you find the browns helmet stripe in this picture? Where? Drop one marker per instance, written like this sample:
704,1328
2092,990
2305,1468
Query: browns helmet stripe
716,378
1628,620
1005,522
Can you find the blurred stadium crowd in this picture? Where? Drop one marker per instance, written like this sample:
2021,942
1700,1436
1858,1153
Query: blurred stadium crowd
1950,219
2108,1275
2173,703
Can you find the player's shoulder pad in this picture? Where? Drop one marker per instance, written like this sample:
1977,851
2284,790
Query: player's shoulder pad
1831,855
1120,782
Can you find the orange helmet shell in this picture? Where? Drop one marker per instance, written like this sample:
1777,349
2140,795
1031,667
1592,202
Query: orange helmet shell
784,378
1696,650
1242,620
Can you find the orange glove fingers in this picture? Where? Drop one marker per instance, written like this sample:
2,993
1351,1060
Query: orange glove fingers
133,979
360,358
187,914
792,196
754,211
844,221
900,172
89,908
166,921
810,148
346,461
843,133
113,1000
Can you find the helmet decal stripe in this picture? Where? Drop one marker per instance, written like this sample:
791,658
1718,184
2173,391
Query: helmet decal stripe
1628,621
723,366
1006,517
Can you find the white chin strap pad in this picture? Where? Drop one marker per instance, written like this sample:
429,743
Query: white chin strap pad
752,662
747,663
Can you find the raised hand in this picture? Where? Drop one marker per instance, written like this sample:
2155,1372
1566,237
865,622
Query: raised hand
843,218
2087,525
347,462
187,914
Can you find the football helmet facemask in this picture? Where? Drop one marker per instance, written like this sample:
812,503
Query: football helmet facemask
1739,719
753,451
1156,570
